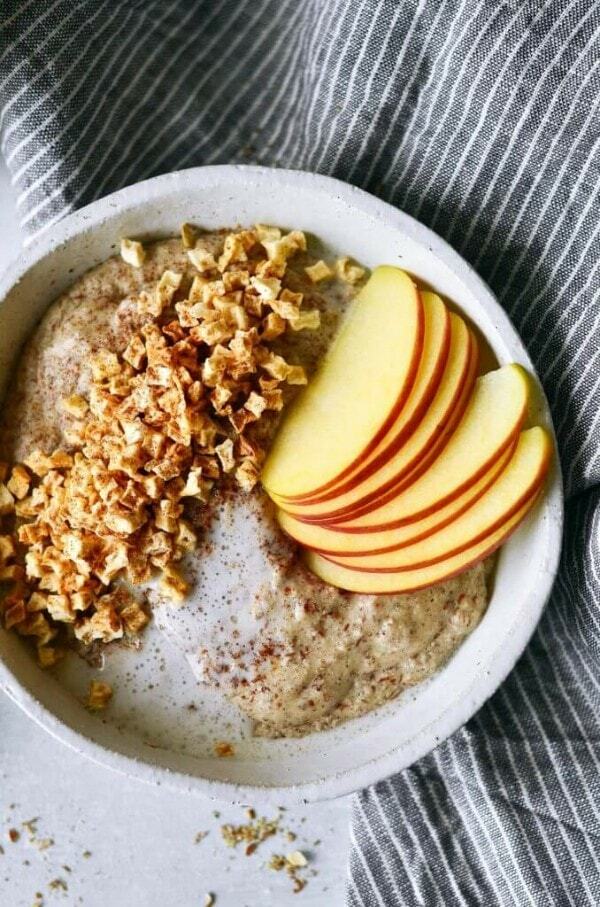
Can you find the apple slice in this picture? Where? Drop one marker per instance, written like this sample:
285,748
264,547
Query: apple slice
445,410
487,429
334,542
357,392
517,483
412,580
436,347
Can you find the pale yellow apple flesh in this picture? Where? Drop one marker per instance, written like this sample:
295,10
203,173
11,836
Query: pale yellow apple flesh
452,394
412,580
488,427
357,392
516,484
333,542
436,347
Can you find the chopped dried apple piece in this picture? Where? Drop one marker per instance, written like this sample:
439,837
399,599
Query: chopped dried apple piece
247,475
319,271
7,548
172,584
224,451
188,235
134,618
48,656
264,231
7,501
305,321
75,405
10,573
296,375
202,259
15,615
105,624
19,482
268,288
133,252
99,695
348,271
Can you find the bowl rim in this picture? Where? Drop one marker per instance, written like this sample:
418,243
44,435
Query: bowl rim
380,767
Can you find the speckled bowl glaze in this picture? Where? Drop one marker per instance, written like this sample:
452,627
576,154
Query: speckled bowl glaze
150,735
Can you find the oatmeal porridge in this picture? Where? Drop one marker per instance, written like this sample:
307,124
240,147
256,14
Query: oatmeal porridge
299,655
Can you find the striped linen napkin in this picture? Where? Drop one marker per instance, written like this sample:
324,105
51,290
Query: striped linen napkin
480,118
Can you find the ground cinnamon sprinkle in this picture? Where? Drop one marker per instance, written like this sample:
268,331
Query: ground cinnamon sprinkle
223,749
161,427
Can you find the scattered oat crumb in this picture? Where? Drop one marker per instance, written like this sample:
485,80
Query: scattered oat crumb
43,843
256,830
86,854
291,863
38,900
58,885
216,814
296,859
13,835
99,695
67,868
209,900
295,864
253,832
1,850
30,826
224,749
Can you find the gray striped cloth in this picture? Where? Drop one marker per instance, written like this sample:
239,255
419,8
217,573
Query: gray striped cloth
481,119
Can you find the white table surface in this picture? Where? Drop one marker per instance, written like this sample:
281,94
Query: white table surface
141,838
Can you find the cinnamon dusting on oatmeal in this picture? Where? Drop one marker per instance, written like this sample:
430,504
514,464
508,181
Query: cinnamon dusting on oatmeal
223,749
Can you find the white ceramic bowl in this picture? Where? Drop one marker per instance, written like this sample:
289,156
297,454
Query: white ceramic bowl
152,737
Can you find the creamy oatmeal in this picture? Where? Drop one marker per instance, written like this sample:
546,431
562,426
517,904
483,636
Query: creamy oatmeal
298,655
294,654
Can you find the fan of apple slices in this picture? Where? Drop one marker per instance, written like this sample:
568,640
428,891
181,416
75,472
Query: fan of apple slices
398,466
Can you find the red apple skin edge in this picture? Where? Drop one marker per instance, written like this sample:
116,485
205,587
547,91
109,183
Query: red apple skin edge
411,472
529,494
337,486
331,555
493,547
415,468
393,414
426,511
